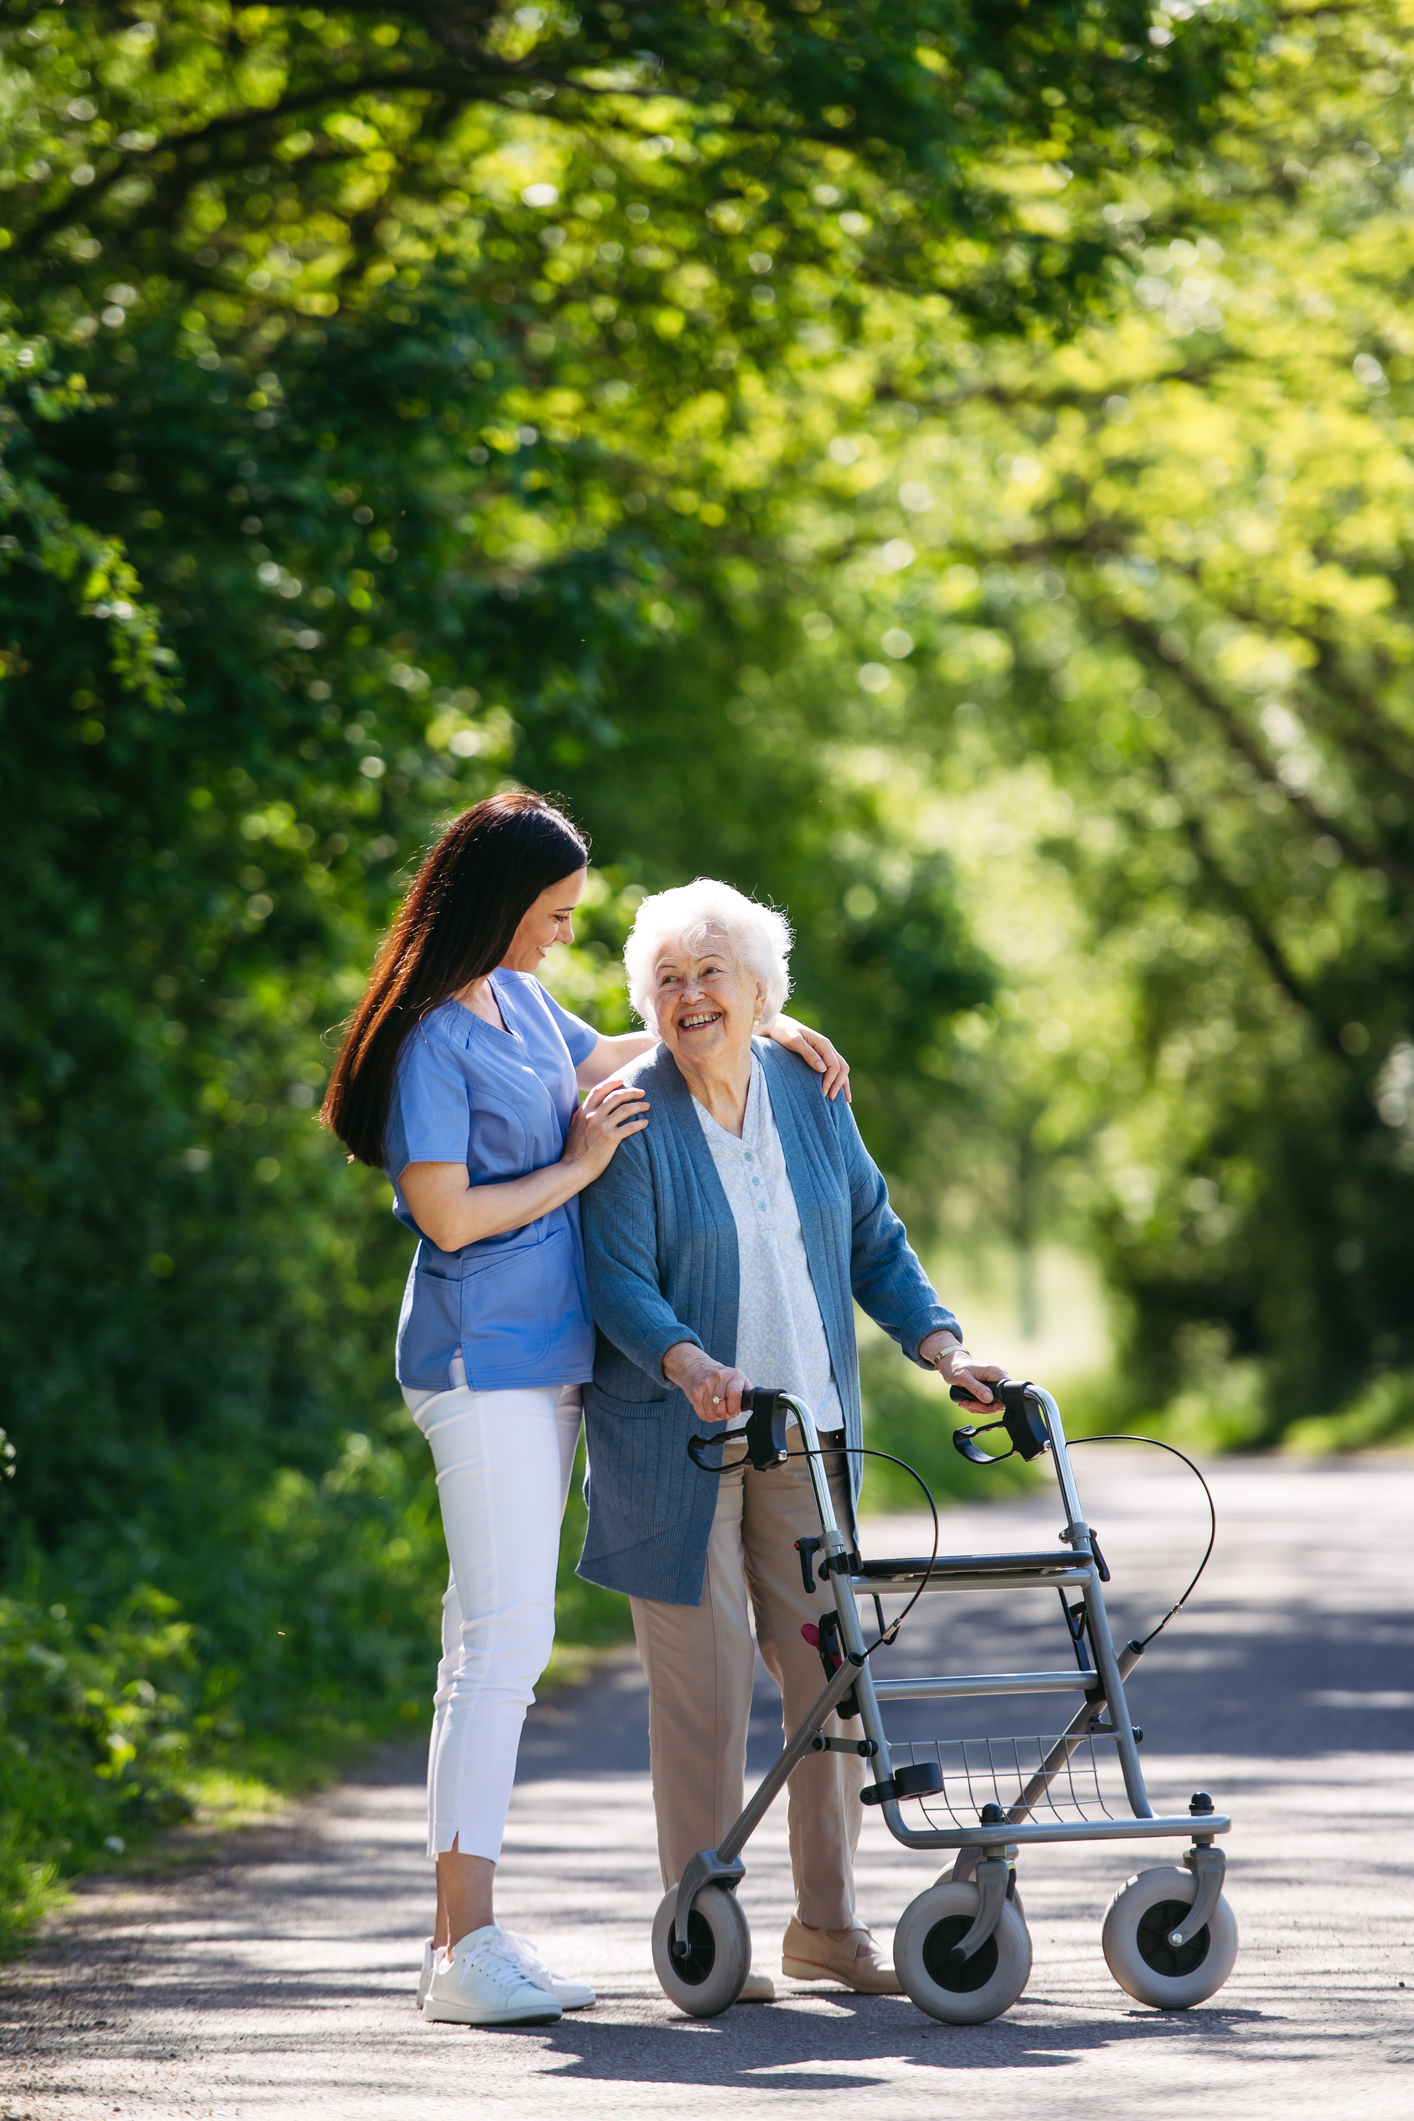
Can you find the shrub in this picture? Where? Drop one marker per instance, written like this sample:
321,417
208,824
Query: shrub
94,1734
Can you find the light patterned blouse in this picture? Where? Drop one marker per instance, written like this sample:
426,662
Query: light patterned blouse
780,1338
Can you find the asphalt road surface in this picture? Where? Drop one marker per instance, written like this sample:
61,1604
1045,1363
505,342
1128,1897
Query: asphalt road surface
277,1980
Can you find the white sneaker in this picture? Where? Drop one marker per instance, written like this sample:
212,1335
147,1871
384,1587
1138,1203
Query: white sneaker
424,1979
481,1982
570,1995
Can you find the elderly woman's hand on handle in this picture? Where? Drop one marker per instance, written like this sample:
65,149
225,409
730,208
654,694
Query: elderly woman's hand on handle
947,1355
714,1388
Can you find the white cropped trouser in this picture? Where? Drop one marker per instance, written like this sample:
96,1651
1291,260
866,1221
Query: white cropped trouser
503,1463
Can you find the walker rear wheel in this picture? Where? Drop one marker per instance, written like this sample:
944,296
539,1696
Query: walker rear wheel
981,1987
1139,1955
709,1978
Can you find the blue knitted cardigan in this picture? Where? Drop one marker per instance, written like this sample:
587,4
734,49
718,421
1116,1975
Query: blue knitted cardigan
661,1252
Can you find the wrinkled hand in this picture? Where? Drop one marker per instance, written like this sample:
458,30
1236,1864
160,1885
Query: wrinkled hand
815,1049
609,1114
715,1388
956,1367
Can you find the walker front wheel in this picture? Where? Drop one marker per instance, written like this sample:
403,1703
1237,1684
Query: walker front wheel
1139,1955
981,1987
709,1977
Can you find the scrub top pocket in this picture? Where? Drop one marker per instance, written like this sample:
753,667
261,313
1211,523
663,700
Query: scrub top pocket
498,1099
514,1306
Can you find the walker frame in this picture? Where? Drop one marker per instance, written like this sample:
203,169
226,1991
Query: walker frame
1044,1805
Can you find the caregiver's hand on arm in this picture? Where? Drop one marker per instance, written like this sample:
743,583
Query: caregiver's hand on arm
453,1213
715,1388
955,1366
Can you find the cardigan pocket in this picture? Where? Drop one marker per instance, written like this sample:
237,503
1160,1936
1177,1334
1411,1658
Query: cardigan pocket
632,1409
641,1480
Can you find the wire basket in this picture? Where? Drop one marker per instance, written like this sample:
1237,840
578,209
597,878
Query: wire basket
1054,1778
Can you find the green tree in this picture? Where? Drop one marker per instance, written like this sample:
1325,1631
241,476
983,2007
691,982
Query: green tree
397,401
1170,560
380,388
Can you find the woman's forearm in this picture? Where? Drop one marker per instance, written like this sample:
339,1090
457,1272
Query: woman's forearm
612,1054
452,1213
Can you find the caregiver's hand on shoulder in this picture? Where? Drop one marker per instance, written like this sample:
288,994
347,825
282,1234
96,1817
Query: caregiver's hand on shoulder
956,1367
715,1388
815,1049
609,1113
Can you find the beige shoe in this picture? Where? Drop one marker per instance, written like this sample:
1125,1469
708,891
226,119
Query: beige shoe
849,1956
757,1988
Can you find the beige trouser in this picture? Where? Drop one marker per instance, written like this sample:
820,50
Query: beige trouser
700,1661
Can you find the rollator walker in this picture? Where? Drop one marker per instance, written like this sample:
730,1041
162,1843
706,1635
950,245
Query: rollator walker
962,1949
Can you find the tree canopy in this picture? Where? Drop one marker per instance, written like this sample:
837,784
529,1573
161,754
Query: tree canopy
943,467
440,373
1170,559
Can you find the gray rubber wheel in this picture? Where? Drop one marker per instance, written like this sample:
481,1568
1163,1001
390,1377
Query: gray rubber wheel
1139,1955
983,1986
718,1959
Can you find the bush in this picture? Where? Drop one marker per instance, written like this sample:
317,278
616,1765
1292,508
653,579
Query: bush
95,1726
325,1637
1382,1414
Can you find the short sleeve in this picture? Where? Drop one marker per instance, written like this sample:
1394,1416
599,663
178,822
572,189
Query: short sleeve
429,1120
581,1038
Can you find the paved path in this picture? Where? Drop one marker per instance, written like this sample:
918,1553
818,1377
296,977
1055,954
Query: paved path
278,1980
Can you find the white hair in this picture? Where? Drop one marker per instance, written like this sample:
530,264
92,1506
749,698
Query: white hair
756,936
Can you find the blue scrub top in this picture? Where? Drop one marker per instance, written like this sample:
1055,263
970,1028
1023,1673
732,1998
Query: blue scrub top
500,1102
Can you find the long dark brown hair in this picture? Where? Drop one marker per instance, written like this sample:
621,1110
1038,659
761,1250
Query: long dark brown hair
455,925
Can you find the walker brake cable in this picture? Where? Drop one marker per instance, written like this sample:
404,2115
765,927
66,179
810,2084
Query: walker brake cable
889,1635
770,1450
1173,1452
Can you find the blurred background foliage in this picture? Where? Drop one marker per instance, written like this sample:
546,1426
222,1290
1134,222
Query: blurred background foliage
943,467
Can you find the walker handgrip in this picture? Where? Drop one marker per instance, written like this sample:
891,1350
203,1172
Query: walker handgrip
1022,1418
766,1444
764,1434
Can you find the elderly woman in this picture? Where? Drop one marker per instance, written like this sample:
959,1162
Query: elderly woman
723,1244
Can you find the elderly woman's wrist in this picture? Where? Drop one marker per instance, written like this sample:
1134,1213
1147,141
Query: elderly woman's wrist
677,1361
935,1345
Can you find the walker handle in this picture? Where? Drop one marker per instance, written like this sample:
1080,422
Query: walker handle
765,1433
1022,1417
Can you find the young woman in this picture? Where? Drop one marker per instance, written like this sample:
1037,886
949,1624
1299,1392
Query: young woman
460,1077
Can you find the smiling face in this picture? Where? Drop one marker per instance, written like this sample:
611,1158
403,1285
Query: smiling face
550,920
706,1004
